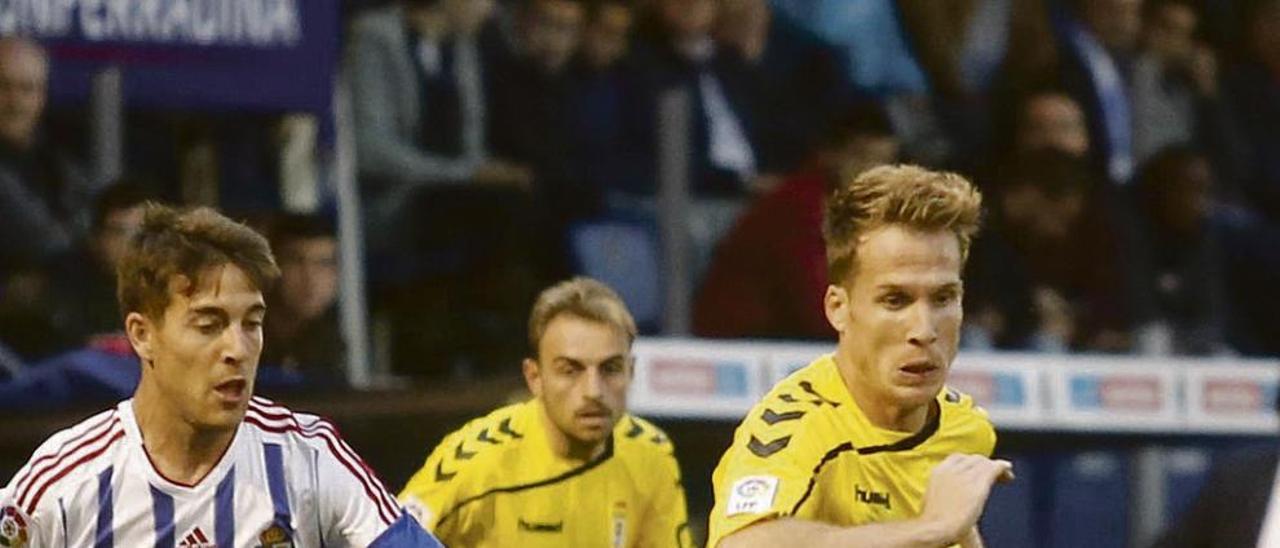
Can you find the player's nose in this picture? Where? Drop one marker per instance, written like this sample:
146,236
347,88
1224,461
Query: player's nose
923,325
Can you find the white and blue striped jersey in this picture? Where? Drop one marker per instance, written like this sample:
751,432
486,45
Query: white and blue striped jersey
287,479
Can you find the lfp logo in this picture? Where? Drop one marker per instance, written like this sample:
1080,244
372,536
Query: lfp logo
694,377
1117,392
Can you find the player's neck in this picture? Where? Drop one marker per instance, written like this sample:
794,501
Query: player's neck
180,451
564,446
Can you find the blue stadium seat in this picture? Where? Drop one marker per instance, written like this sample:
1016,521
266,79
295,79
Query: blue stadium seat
625,254
1008,521
1186,470
1090,501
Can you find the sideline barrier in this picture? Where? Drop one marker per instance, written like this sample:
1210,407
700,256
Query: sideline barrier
698,379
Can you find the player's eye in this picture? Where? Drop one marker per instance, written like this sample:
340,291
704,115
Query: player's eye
944,298
895,300
209,328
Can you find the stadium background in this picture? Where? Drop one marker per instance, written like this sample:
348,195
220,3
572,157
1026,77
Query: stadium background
249,105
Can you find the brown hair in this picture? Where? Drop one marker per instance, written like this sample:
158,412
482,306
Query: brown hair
903,195
186,243
582,297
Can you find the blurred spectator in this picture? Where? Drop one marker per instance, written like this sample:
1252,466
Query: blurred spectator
1100,38
682,55
769,274
419,103
877,49
1255,98
1174,83
532,105
1049,119
453,234
43,199
973,52
85,284
301,332
1184,271
604,120
1047,272
777,49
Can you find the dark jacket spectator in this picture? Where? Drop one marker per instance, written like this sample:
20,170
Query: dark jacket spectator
1048,271
769,273
43,198
301,332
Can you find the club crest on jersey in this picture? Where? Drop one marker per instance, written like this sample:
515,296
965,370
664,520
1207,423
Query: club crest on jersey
275,537
13,528
619,524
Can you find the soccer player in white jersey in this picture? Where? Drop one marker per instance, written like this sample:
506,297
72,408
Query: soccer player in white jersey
193,459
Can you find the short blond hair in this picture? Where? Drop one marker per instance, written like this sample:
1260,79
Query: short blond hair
582,297
905,195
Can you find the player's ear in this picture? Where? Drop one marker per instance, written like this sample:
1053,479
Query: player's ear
140,331
835,303
532,376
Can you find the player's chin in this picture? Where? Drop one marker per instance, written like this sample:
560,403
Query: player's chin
592,433
916,394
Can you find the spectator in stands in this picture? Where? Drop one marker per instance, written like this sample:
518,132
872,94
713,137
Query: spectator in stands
1047,273
681,54
1174,84
532,105
775,48
769,274
452,230
1100,39
1211,269
418,92
85,285
1254,86
1049,119
974,52
603,119
43,198
302,332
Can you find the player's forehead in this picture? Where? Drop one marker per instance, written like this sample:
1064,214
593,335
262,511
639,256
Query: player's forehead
224,288
570,337
897,256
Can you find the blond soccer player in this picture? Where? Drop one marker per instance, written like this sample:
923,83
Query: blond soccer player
866,446
568,467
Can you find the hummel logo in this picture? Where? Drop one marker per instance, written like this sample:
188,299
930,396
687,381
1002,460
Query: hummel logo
196,539
872,497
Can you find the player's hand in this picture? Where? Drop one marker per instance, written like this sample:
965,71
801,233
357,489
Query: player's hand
957,491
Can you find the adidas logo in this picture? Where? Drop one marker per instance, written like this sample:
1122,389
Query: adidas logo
196,539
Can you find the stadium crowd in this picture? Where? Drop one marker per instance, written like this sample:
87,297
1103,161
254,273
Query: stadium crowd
1128,150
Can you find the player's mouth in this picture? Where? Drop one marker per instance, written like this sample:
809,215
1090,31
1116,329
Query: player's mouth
594,418
232,391
919,370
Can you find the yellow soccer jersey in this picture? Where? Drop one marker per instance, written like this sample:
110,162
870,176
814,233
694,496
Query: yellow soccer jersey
496,482
807,451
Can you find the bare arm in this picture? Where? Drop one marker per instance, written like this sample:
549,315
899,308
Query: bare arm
797,532
957,491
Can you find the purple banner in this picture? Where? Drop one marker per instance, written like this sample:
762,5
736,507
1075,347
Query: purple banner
189,54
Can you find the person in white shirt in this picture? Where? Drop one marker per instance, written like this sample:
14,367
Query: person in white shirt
194,459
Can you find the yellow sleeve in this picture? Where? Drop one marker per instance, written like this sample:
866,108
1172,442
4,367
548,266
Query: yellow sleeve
979,434
666,521
435,489
764,475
